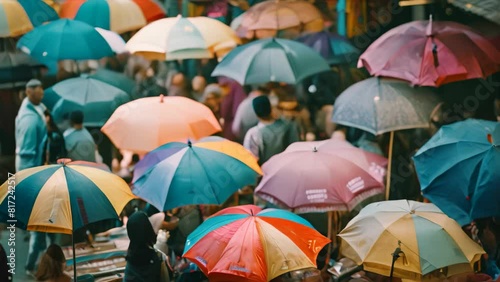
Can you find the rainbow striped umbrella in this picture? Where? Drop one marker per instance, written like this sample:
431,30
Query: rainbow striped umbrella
13,19
61,198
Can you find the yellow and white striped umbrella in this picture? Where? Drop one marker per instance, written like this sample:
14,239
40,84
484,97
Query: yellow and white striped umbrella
13,19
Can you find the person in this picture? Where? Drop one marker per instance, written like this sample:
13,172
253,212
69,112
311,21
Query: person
488,232
212,98
270,136
198,85
31,129
52,264
54,146
144,262
245,117
79,143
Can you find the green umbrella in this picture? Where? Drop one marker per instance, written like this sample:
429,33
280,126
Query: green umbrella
271,60
114,78
97,100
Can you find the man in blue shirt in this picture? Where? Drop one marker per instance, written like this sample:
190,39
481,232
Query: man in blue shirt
31,129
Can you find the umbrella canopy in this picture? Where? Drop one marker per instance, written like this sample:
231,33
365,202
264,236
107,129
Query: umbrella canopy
65,40
315,181
63,197
266,18
431,54
246,243
445,165
114,40
334,48
374,164
151,9
275,60
38,11
159,120
116,79
96,99
17,67
13,19
119,16
429,240
383,105
180,174
486,199
183,38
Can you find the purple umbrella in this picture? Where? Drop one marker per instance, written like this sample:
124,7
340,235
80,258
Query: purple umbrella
334,48
316,181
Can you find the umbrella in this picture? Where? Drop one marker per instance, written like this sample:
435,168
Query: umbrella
38,11
267,18
17,67
116,79
114,40
151,9
374,164
486,199
13,19
446,163
65,40
159,120
246,243
95,98
116,15
179,174
62,198
431,54
333,47
316,181
426,240
384,105
276,60
183,38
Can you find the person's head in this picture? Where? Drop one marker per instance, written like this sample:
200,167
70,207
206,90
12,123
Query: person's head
76,118
262,107
51,264
51,125
489,234
140,231
34,91
198,83
212,96
179,80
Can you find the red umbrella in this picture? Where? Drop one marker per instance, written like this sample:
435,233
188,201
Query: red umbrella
151,9
431,53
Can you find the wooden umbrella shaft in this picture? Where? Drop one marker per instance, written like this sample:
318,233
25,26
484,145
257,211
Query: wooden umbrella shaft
389,167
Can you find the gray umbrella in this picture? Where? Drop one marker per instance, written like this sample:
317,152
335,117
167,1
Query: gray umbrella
379,105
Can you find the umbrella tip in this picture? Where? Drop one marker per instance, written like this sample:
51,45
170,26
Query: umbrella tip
315,149
190,144
161,98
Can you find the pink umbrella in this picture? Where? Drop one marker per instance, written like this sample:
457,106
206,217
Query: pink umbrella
316,181
431,53
372,163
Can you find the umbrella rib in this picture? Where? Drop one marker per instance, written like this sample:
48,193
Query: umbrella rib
206,174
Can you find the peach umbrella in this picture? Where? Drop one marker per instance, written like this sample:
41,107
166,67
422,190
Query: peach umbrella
290,18
147,123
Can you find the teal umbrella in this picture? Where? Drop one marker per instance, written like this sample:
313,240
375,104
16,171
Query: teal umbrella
97,100
114,78
38,11
271,60
65,40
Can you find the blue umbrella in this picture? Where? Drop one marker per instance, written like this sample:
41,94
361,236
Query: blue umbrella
38,11
271,60
334,48
116,79
96,99
486,198
445,166
65,40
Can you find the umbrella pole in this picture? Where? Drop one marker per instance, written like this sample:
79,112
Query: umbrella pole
389,167
328,255
74,256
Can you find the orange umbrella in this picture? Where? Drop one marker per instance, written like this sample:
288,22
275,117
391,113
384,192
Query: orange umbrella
69,8
268,18
151,9
147,123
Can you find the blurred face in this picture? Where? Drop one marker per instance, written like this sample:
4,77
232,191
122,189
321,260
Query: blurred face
198,83
212,101
35,95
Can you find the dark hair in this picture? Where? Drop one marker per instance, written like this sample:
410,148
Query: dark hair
493,223
51,125
76,117
51,264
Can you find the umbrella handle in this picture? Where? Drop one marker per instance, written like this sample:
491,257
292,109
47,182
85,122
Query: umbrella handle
74,256
395,257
